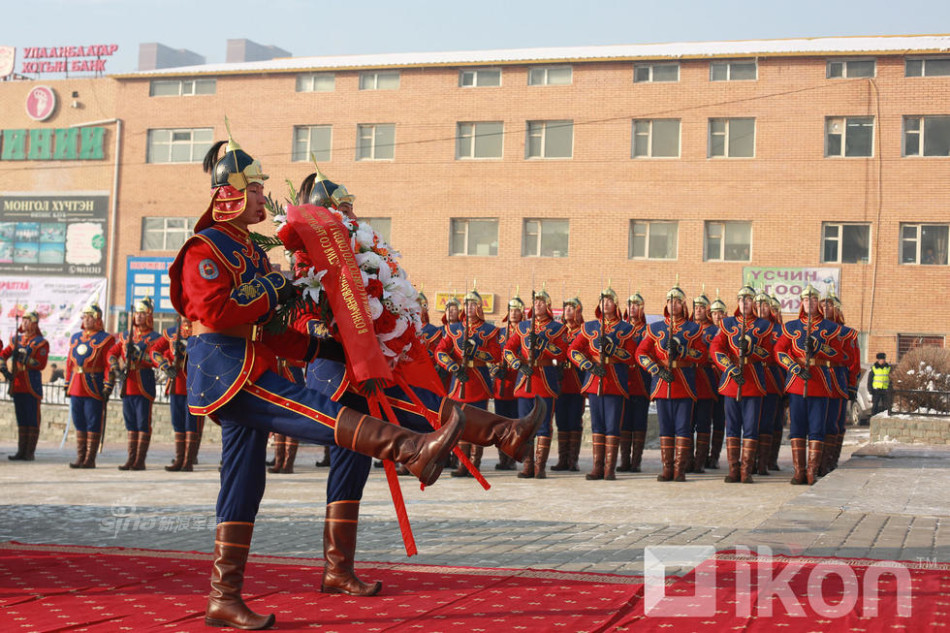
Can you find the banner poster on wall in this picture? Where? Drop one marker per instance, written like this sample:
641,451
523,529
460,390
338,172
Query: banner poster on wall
787,284
58,300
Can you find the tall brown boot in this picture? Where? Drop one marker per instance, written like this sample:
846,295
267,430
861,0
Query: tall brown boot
280,451
191,452
133,440
733,457
510,435
702,452
667,448
290,454
750,459
577,438
563,451
461,470
814,460
527,470
142,450
626,444
765,452
424,454
339,551
505,462
611,450
600,453
776,448
35,437
715,448
23,436
232,543
541,457
477,452
684,449
92,447
80,450
799,478
179,453
839,442
638,440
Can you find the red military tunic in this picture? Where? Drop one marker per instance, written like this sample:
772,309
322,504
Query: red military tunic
87,358
584,352
163,357
706,384
503,388
571,378
653,353
450,356
790,350
725,354
552,347
139,376
26,379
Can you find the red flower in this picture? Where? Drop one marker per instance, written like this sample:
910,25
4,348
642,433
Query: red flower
291,240
375,288
386,322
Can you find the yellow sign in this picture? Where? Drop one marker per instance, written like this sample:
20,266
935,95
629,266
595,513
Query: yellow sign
441,298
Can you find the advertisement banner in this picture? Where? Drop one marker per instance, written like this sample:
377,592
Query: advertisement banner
488,301
787,284
59,301
53,234
148,277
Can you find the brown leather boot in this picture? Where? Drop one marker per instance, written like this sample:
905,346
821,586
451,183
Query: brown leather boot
527,470
799,478
839,442
611,451
638,440
23,436
232,543
191,452
541,457
280,450
179,453
814,460
563,451
133,440
765,451
80,450
600,453
750,459
339,551
290,455
577,437
477,452
511,436
35,437
776,448
733,457
702,452
667,449
424,454
626,445
505,462
142,450
461,470
92,447
684,448
715,448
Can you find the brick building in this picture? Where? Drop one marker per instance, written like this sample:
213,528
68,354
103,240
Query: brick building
782,161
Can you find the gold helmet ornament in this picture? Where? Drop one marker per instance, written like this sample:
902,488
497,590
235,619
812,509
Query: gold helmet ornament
515,303
718,305
32,315
143,305
810,291
606,293
230,176
320,191
93,309
636,298
543,296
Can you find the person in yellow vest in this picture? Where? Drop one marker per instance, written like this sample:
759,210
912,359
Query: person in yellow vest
879,382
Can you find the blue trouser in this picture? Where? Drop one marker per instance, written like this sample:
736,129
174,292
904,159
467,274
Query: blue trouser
675,416
767,418
26,407
719,414
742,417
86,413
606,413
836,416
702,415
183,420
807,417
137,413
569,412
507,408
525,405
635,413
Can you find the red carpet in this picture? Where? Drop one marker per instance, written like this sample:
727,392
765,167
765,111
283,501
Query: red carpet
66,588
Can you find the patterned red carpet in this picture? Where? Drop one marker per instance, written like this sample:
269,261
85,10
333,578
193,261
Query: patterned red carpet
71,588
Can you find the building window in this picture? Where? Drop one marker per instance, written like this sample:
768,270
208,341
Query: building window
849,69
383,226
907,342
316,82
545,238
851,136
482,139
652,73
924,244
166,234
731,138
652,240
380,80
474,236
934,67
479,77
732,71
550,139
933,130
550,76
179,145
656,138
375,142
728,241
181,87
315,139
845,243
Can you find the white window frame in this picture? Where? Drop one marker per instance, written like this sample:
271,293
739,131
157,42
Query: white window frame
175,227
649,224
470,130
650,124
727,137
541,76
721,255
839,241
916,240
651,72
199,86
729,65
307,82
475,73
847,123
370,131
924,62
197,147
460,226
537,247
323,155
369,79
539,129
848,68
920,122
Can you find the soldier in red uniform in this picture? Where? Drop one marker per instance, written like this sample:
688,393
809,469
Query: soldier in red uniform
781,409
168,354
770,428
707,380
717,311
131,359
504,377
535,345
845,375
29,351
633,433
85,384
569,406
604,350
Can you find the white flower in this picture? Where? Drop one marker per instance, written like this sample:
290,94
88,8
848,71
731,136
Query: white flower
311,284
375,308
371,261
364,236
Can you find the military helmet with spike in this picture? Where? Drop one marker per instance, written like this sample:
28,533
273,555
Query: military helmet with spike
319,190
676,292
636,298
718,305
230,176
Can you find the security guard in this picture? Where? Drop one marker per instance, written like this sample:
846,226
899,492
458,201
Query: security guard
879,383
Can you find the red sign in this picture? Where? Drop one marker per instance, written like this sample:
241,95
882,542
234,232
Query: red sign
63,58
40,103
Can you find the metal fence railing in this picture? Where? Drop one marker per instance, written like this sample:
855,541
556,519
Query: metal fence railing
916,402
55,393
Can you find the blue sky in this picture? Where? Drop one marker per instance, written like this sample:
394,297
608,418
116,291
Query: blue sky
319,27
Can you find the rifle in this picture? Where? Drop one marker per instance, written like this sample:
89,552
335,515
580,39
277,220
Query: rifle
128,356
603,342
670,349
808,353
465,357
503,345
531,348
742,335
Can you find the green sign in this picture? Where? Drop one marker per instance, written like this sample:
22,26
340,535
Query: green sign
72,143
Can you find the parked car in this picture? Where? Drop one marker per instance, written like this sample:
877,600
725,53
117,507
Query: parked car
860,413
